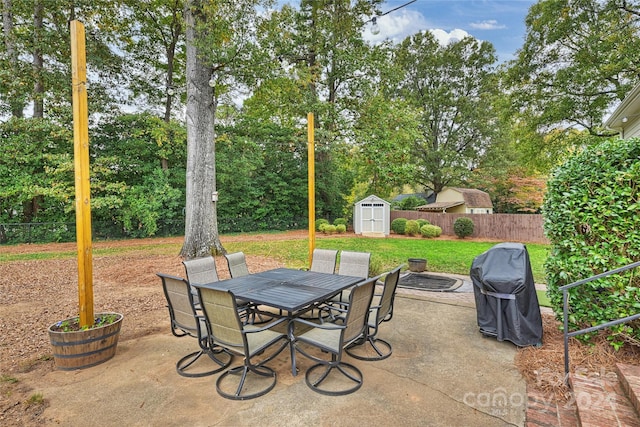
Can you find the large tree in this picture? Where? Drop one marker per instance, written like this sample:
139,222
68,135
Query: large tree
580,57
219,36
453,88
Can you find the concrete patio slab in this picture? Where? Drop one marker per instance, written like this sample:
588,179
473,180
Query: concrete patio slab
442,372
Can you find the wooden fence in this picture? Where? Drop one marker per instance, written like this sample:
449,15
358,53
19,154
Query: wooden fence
523,228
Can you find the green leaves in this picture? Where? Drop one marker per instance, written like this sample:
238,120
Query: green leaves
593,229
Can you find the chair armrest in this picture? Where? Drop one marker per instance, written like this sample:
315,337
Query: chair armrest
318,325
265,327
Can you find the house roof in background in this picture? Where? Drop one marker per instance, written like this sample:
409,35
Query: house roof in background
439,206
474,198
629,107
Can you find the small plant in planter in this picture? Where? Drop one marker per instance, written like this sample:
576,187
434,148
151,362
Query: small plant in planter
76,346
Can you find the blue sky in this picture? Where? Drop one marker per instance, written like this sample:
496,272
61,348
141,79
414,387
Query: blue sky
500,22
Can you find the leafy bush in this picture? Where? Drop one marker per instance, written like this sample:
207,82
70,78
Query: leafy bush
410,203
398,225
422,222
328,229
340,221
412,228
341,228
430,231
591,216
321,222
463,227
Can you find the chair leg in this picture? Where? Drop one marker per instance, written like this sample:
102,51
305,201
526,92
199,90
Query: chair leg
362,350
187,361
244,371
346,369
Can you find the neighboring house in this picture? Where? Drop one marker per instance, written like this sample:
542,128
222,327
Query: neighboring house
626,118
460,200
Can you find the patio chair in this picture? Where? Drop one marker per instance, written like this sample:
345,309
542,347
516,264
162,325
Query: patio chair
250,380
200,270
203,270
351,264
324,261
237,264
381,310
333,338
185,322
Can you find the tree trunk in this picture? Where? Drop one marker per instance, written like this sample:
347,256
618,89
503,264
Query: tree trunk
201,224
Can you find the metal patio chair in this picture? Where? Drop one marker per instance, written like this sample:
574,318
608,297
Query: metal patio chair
250,380
351,264
186,322
237,264
333,338
203,270
381,310
324,261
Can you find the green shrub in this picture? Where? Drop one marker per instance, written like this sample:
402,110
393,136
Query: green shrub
329,229
340,221
422,222
398,225
430,231
463,227
320,222
341,228
591,216
409,203
412,228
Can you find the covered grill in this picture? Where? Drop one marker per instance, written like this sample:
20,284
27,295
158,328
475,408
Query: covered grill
506,300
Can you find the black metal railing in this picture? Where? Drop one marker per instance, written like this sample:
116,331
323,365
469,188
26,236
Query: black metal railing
565,308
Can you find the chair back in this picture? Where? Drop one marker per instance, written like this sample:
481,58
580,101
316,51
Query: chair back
359,303
237,264
324,261
201,270
220,309
354,264
388,295
180,304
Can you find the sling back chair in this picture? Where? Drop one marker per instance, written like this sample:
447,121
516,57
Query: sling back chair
252,379
185,322
381,310
237,264
324,261
333,338
202,271
351,264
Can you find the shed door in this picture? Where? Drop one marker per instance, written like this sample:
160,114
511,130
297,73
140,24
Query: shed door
372,217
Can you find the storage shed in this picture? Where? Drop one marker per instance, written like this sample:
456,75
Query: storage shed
371,216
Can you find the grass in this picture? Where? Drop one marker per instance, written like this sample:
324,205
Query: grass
444,256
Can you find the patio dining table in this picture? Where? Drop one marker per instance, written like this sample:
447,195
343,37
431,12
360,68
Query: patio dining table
292,291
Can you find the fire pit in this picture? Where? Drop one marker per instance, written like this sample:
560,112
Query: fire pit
429,282
417,265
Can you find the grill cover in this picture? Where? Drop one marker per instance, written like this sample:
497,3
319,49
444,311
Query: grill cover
505,294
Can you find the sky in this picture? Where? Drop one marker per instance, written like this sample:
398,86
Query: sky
500,22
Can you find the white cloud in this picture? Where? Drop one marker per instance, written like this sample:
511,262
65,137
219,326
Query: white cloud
453,36
402,24
490,24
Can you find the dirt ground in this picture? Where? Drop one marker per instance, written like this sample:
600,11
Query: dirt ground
38,293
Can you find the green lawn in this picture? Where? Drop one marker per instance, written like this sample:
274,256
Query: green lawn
445,256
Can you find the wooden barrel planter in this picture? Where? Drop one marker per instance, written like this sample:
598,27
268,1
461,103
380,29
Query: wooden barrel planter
78,349
417,265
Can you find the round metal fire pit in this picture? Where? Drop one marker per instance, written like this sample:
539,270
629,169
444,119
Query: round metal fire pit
417,265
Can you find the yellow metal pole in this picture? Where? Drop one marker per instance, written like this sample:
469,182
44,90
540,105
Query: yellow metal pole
312,184
81,164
